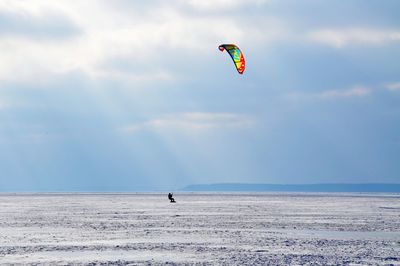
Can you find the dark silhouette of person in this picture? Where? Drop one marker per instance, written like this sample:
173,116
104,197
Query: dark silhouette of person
170,197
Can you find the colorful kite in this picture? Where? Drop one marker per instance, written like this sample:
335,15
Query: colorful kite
236,55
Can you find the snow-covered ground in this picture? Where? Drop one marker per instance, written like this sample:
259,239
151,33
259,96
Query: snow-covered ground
227,229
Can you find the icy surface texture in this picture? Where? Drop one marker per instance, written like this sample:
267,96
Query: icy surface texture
200,229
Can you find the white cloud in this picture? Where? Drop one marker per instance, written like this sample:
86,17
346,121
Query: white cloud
153,38
393,86
196,121
340,38
353,92
222,4
349,93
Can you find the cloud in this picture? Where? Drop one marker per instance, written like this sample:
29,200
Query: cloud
393,86
349,93
37,38
213,5
43,26
353,92
196,121
339,38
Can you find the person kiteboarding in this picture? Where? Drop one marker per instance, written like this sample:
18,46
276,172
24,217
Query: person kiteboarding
172,200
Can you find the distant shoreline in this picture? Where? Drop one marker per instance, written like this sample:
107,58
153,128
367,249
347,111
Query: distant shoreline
241,187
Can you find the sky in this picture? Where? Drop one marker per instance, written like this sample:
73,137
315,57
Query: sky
135,96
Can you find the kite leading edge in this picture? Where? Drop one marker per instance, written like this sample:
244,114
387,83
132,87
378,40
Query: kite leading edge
236,55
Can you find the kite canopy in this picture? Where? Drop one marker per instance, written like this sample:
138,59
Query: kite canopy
236,55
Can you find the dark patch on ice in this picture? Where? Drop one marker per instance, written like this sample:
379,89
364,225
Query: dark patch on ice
392,258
